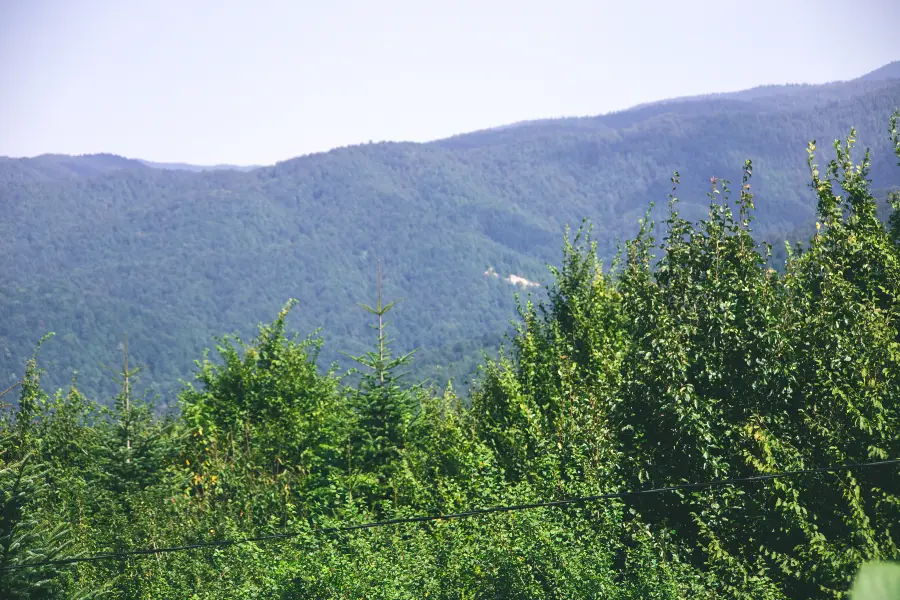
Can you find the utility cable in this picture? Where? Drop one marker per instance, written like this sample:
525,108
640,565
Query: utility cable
459,515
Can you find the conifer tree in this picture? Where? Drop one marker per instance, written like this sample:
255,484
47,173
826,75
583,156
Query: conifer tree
133,444
383,406
28,534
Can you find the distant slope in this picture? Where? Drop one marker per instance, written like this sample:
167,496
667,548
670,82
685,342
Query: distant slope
48,167
174,257
887,72
802,96
197,168
808,94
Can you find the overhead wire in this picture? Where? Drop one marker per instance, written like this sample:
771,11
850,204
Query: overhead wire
451,516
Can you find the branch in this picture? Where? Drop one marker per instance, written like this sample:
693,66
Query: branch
12,387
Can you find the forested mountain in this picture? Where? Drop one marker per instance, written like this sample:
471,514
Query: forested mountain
691,423
97,246
887,72
61,167
197,168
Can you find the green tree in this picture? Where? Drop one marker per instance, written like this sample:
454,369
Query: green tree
30,531
384,409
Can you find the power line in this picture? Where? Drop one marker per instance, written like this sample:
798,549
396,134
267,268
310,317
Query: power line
459,515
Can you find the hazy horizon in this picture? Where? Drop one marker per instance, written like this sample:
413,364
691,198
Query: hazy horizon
238,84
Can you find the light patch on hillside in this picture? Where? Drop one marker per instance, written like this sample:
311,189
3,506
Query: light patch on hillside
521,281
512,279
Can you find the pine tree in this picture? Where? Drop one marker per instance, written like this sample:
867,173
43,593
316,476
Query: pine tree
28,534
383,406
132,443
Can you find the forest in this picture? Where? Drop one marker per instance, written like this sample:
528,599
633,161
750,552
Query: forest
686,358
100,246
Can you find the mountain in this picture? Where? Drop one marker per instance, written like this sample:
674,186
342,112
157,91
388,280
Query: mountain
98,246
197,168
887,72
807,95
61,167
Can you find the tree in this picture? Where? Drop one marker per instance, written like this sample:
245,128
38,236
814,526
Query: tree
29,533
384,409
134,446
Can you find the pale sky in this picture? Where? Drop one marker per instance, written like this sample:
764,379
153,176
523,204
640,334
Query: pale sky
258,81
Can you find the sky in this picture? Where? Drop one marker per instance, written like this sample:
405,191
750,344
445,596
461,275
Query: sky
255,82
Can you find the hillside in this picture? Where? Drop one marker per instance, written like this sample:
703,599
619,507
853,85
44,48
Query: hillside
61,167
197,168
97,246
887,72
698,427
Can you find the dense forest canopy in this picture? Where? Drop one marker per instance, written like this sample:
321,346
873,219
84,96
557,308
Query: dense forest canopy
688,358
98,246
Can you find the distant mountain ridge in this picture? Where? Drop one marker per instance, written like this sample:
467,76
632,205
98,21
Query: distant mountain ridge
828,91
198,168
879,78
100,245
888,71
63,166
